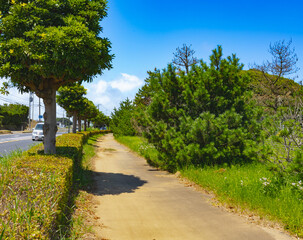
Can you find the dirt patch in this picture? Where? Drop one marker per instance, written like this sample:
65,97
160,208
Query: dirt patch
109,150
85,213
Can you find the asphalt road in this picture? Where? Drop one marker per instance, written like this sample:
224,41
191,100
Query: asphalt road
11,142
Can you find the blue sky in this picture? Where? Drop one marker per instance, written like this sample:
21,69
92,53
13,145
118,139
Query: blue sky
146,33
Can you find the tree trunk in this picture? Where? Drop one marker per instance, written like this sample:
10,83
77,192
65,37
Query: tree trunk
79,124
75,122
85,122
50,123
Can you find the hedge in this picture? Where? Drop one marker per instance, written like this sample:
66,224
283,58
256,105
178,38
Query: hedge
35,189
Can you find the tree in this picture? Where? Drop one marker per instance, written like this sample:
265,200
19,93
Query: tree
121,119
47,44
276,90
88,112
71,98
64,121
14,115
202,117
184,57
100,120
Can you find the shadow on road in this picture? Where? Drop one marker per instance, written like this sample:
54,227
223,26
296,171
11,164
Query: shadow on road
115,183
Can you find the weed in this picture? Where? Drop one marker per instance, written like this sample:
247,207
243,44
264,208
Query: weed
254,187
7,159
142,147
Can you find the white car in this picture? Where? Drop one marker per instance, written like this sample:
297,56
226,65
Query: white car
38,132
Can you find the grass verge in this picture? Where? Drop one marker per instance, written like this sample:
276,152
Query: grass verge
82,220
142,147
5,131
250,186
255,188
7,160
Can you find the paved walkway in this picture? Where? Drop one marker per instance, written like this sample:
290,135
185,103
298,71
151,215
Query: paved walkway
138,202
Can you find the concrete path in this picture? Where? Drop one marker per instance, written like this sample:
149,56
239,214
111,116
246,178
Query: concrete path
138,202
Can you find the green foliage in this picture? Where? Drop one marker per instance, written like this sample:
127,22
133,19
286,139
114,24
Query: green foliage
285,137
71,97
6,160
100,120
58,40
215,140
141,146
14,115
64,121
47,44
254,187
36,189
203,117
121,119
89,111
282,93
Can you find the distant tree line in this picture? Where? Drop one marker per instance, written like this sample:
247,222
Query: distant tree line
64,121
72,99
13,116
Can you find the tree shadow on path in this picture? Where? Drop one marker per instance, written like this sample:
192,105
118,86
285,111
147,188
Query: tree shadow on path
115,183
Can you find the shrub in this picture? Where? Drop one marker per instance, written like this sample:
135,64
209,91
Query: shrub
203,117
35,189
285,136
121,119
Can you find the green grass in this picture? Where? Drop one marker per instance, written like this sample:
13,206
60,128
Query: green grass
89,151
249,186
142,147
134,143
80,223
7,159
255,188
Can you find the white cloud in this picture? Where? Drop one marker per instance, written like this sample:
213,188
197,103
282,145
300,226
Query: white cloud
108,94
101,86
104,100
126,83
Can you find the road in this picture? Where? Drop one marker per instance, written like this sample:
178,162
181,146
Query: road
22,141
138,202
11,142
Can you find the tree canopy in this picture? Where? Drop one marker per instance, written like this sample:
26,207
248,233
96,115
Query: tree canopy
205,116
13,115
121,119
46,44
100,120
52,42
71,98
88,112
